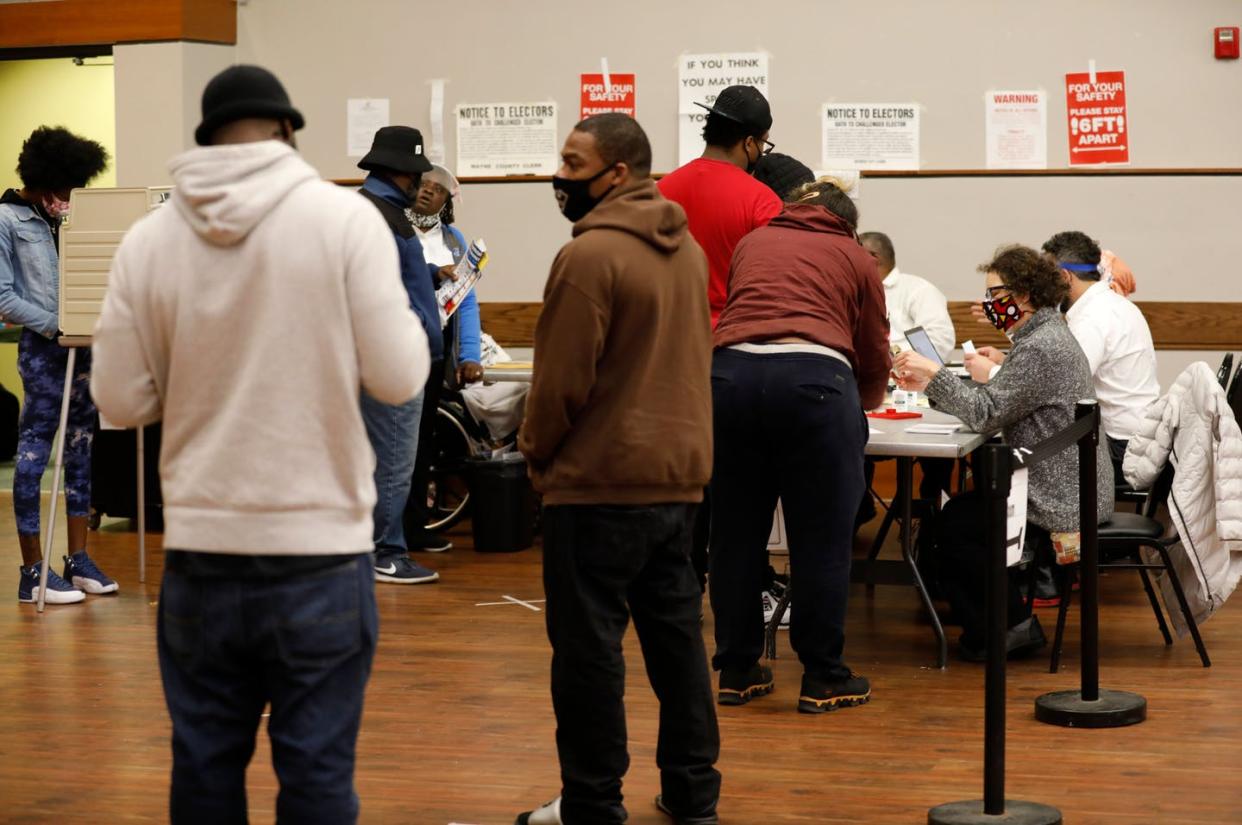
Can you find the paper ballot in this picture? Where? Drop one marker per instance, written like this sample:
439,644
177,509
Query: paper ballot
451,293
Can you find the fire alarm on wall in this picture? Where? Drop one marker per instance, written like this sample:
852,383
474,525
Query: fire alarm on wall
1226,40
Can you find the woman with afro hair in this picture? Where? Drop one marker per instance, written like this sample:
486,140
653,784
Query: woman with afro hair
52,162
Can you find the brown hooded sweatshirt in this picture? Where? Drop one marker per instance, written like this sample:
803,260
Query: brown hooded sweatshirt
620,409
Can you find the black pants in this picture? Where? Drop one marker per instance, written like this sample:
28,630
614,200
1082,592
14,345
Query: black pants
417,513
961,566
1117,452
787,426
601,565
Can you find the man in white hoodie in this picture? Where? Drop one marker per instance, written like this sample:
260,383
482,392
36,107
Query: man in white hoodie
248,314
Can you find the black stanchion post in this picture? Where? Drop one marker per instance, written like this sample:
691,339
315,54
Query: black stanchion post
1090,707
994,808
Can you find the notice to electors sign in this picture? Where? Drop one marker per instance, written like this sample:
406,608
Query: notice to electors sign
1099,129
870,136
506,139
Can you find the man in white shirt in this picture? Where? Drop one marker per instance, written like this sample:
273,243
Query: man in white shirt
912,301
1114,335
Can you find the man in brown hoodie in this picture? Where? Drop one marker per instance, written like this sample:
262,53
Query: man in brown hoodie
618,436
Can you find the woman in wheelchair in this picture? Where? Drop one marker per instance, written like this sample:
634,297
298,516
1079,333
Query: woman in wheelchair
1030,398
443,245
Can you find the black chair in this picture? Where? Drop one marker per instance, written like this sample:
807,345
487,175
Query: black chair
1234,394
1121,540
1226,366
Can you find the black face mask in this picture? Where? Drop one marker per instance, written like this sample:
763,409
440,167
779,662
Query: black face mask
574,196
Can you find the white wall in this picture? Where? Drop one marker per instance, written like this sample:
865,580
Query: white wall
945,55
159,87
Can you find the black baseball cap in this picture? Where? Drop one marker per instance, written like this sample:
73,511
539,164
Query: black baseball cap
745,105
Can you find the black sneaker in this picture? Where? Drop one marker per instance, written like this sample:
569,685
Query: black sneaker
821,697
737,687
549,814
679,819
1022,640
400,570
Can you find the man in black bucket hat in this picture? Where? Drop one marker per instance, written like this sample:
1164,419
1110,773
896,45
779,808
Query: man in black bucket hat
247,315
396,164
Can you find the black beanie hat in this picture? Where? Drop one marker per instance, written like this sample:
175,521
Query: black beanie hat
240,92
781,173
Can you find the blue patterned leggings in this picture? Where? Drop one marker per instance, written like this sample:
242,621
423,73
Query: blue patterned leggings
41,363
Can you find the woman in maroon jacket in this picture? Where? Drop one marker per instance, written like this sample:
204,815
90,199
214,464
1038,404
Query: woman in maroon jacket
800,350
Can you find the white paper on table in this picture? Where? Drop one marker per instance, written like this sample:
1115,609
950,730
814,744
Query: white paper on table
933,429
1017,129
1015,532
874,431
364,117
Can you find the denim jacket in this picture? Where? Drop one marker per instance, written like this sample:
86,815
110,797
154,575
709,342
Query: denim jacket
29,272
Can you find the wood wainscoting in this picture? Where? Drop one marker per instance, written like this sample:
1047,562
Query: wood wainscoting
1175,325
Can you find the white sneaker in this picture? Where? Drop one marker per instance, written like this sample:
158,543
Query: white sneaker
549,814
769,608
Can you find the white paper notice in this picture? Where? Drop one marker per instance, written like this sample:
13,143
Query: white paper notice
506,139
1017,129
364,117
700,78
435,150
870,135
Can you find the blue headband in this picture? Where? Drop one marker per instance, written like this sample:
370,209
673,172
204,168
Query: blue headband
1079,267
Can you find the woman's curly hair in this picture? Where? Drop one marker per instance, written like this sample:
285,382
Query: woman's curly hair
1026,272
54,159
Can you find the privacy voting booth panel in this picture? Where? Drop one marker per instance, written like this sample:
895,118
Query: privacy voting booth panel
98,219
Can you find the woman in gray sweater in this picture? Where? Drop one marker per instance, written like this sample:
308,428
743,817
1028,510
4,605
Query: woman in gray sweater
1029,399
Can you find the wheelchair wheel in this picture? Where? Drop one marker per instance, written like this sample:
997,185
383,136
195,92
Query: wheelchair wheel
448,495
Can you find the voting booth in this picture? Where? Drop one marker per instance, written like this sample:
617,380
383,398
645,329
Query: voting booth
98,220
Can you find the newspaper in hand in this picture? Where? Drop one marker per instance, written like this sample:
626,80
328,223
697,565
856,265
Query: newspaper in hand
450,294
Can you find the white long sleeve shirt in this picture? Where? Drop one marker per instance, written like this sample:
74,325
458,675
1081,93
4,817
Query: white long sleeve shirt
915,302
1114,335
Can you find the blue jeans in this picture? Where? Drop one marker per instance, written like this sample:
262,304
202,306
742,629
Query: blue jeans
230,646
393,431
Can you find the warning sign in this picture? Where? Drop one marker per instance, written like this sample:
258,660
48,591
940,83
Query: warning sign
598,97
1099,128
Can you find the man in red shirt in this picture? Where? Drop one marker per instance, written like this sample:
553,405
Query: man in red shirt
723,202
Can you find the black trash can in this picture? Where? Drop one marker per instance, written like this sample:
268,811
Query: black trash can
502,504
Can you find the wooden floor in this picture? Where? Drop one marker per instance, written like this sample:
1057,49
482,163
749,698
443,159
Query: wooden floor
459,727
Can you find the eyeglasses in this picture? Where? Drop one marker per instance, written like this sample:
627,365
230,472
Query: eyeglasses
767,147
991,292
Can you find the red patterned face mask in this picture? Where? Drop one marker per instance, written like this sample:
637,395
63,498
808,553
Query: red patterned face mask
1002,312
55,207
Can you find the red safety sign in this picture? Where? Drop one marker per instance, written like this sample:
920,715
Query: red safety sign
1099,128
615,96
